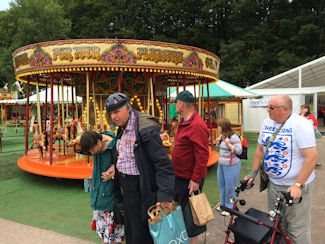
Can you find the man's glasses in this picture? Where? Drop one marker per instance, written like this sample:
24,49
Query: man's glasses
273,107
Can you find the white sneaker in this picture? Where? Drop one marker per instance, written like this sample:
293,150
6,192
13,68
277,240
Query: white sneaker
218,208
224,213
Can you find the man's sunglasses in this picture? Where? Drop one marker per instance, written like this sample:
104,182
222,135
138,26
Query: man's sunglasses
274,107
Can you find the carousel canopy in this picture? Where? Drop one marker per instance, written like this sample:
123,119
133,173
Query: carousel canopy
56,95
220,89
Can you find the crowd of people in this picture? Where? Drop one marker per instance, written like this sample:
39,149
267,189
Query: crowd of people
133,166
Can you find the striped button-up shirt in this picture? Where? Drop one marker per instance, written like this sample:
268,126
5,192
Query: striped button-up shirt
125,146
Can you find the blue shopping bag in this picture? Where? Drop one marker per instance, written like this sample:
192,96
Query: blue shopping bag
167,228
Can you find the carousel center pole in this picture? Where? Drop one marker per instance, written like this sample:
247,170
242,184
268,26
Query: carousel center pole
148,99
62,104
210,121
87,97
51,122
152,97
94,103
72,102
101,121
38,109
27,118
76,101
194,86
58,101
119,80
67,108
45,107
1,115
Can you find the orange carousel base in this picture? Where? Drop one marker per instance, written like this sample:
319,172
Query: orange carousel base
70,166
213,157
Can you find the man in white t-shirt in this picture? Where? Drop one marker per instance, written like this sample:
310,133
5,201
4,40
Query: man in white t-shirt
289,162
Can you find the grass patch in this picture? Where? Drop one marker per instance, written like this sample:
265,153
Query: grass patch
58,205
62,205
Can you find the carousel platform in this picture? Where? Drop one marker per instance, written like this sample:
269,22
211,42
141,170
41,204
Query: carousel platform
71,165
213,157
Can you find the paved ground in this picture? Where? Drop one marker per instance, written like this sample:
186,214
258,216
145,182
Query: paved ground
258,200
12,233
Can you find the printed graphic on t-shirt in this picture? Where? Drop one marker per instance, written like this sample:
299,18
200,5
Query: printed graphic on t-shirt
278,158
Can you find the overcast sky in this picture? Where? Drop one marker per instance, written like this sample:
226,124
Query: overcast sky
4,4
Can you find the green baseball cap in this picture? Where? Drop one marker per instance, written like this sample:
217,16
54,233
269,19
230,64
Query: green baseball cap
184,96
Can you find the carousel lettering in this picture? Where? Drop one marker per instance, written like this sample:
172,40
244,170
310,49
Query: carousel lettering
63,53
87,52
21,60
160,55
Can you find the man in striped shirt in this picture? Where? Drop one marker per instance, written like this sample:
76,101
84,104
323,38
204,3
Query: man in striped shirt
144,169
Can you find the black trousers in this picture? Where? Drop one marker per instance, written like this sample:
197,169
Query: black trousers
136,229
181,191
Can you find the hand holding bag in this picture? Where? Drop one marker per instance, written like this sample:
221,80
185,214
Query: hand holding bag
201,209
167,226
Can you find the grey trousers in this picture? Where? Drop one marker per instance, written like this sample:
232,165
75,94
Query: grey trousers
296,221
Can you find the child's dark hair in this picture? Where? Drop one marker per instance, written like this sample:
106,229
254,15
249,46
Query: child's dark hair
89,139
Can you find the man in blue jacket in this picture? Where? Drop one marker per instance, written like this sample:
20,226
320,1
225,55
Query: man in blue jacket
144,169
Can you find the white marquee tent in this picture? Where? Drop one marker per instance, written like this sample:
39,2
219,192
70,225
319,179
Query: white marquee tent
56,95
305,84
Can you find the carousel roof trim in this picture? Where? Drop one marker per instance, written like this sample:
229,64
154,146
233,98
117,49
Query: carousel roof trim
113,41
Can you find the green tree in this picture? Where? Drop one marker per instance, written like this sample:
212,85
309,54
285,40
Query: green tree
27,22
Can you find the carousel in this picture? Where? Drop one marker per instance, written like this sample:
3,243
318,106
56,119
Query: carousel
93,69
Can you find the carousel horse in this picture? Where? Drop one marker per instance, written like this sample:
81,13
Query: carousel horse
165,139
80,129
38,139
60,132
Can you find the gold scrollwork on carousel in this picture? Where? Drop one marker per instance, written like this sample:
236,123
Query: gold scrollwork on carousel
211,63
40,58
193,61
159,55
118,53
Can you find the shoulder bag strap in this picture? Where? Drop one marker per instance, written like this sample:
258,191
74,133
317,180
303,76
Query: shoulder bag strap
274,135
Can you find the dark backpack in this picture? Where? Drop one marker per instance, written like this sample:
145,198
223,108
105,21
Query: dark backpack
244,145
